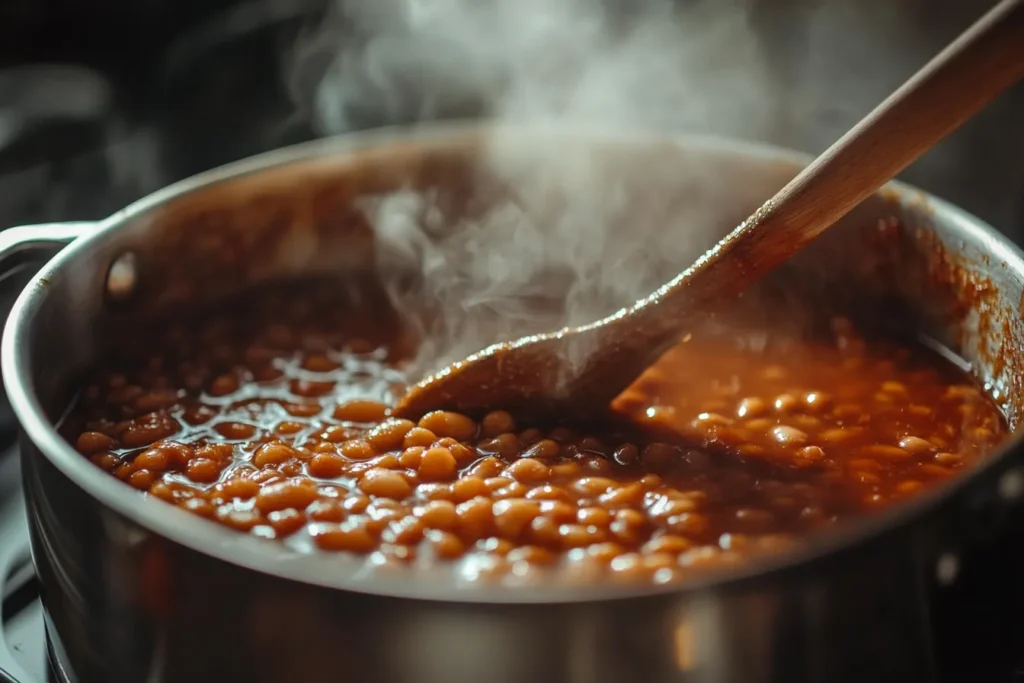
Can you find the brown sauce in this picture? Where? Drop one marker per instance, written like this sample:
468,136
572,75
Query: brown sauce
270,416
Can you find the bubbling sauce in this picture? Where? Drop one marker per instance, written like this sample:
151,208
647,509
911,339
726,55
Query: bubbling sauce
271,416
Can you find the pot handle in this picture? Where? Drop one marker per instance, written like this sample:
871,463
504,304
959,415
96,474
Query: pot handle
26,243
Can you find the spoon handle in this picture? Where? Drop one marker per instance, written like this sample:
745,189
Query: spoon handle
956,84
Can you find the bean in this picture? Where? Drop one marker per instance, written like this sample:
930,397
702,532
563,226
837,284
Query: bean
561,435
592,487
224,385
809,455
273,453
326,466
625,495
202,470
241,520
708,420
688,524
629,567
106,461
385,483
581,535
353,539
513,490
785,403
548,492
605,551
528,471
816,401
594,516
454,425
881,450
180,453
325,511
761,424
512,516
657,457
753,517
240,489
292,493
667,543
154,459
565,470
149,429
544,531
531,554
530,436
338,434
897,388
198,506
90,443
446,546
496,423
543,449
418,436
949,459
404,531
389,435
286,522
476,517
360,411
288,427
141,479
357,449
839,435
438,514
788,436
236,431
505,445
916,445
437,464
909,486
467,488
751,407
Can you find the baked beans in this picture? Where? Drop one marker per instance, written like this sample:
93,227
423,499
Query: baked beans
276,423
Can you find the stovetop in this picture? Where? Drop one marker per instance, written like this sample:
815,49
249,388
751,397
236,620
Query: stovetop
23,650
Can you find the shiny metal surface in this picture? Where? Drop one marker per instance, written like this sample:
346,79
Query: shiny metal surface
137,591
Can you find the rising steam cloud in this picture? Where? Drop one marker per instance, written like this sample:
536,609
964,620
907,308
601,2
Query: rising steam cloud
520,267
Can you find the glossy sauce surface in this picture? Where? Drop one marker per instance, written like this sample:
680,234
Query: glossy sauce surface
270,416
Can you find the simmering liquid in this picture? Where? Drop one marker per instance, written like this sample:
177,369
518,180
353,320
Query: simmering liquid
271,416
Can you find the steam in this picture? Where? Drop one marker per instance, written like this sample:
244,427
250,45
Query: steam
572,241
645,64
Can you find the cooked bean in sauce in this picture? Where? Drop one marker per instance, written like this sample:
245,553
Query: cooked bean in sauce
271,417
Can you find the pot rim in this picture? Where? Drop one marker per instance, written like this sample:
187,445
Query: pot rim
328,570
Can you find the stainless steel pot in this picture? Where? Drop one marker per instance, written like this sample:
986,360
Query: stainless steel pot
135,590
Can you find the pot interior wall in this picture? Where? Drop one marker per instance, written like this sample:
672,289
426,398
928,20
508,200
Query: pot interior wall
626,213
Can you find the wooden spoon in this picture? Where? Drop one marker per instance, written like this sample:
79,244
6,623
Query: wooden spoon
577,372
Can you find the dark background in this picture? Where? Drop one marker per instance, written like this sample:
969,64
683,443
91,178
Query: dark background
191,84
